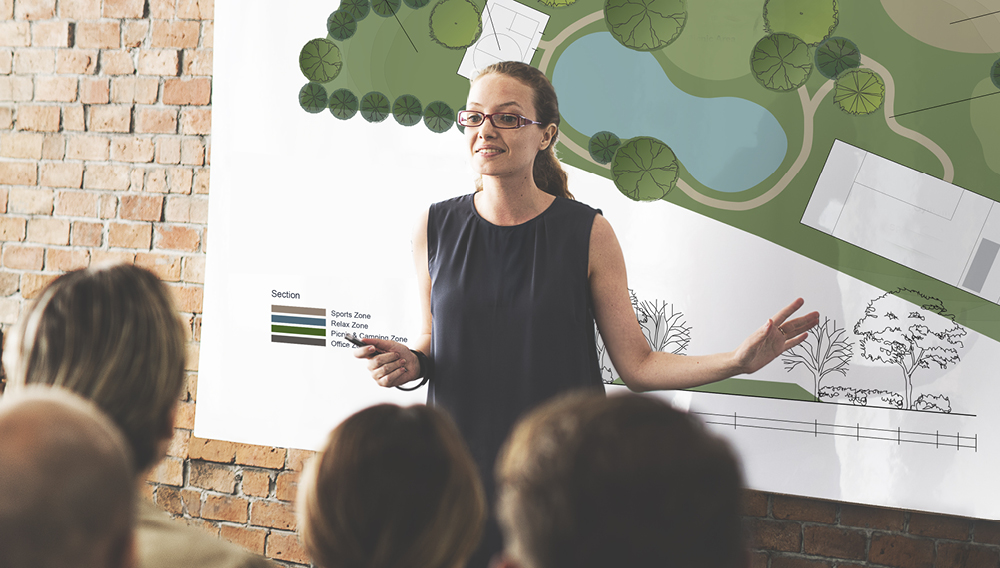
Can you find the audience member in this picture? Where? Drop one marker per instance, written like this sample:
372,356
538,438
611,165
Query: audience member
66,496
393,488
590,482
112,335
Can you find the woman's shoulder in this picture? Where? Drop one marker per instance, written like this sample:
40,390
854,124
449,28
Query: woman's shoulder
460,201
574,207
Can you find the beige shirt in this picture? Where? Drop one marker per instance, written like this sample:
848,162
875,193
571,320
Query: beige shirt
163,542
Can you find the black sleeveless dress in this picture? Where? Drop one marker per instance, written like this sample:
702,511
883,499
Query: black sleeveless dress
513,320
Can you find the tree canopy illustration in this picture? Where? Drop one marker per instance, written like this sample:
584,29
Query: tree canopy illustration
455,24
375,107
905,328
781,62
385,8
312,97
341,25
859,91
320,60
644,169
407,110
438,117
995,73
811,20
357,8
343,104
826,350
416,4
645,25
602,146
836,55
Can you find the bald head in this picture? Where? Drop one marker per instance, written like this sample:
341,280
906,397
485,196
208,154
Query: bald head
66,483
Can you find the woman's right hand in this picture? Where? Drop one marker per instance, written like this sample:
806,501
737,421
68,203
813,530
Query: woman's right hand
390,363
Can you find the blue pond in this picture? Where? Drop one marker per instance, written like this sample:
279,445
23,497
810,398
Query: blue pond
726,143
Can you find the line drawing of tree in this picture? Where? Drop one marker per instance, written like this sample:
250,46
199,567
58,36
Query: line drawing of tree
438,117
826,350
663,327
312,97
644,169
357,8
811,20
906,328
407,110
859,91
860,397
836,55
343,104
375,107
341,25
455,24
320,60
416,4
939,403
995,73
645,25
781,62
385,8
602,146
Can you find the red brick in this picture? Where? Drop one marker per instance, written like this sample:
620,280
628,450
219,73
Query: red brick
80,9
789,508
95,91
286,547
29,200
88,147
212,476
939,526
186,210
168,150
758,559
23,257
176,34
249,538
196,121
98,257
987,532
105,176
32,284
200,183
169,471
765,534
6,118
100,35
187,91
135,33
191,385
162,9
12,228
225,508
872,517
132,149
111,118
156,120
54,147
901,551
141,207
287,485
9,283
32,61
193,351
298,458
179,443
167,267
108,206
34,9
130,235
192,152
184,417
196,9
50,34
193,272
16,88
160,62
177,237
63,260
782,561
48,231
18,173
179,180
258,456
61,174
86,234
76,61
208,527
117,63
76,203
212,450
198,62
55,89
73,120
834,542
15,34
124,9
255,484
178,502
957,555
24,145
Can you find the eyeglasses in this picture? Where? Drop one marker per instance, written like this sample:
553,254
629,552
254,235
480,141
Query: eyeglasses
474,118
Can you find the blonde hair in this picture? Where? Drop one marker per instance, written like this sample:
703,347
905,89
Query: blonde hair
112,335
393,488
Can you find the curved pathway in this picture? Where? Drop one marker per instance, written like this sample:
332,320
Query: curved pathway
551,45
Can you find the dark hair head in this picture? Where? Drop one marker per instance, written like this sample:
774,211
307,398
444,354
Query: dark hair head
393,488
547,172
588,481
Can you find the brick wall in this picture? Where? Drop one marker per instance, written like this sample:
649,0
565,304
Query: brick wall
105,115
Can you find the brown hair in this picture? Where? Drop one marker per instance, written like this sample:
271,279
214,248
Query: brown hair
547,171
112,335
589,482
394,488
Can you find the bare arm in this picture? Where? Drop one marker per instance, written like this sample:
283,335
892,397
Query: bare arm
643,369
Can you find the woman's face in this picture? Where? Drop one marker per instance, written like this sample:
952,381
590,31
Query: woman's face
504,152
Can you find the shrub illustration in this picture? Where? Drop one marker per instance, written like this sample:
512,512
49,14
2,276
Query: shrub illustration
312,97
645,25
407,110
938,403
811,20
385,8
663,327
438,117
860,91
602,146
644,169
781,62
836,55
557,3
374,107
320,60
341,25
343,104
908,329
995,73
455,24
860,397
826,350
357,8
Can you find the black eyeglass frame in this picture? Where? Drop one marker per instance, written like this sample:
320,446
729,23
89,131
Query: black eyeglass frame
521,120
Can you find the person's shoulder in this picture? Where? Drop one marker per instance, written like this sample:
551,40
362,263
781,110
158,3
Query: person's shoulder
574,207
459,201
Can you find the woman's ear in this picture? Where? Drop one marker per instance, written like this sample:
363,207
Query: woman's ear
548,133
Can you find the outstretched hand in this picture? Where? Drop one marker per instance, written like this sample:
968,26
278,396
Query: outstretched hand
774,338
390,363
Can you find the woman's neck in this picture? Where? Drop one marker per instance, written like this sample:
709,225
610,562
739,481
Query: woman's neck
504,203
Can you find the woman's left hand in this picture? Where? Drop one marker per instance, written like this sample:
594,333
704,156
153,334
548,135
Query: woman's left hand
774,338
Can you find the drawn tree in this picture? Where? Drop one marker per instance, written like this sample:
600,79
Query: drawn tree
995,73
811,20
407,110
455,24
826,350
343,104
416,4
859,92
836,55
908,329
357,8
602,146
385,8
374,107
320,60
312,97
645,25
644,169
438,117
781,62
341,25
663,327
939,403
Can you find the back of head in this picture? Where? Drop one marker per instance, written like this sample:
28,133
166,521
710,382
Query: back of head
588,481
112,335
393,488
66,484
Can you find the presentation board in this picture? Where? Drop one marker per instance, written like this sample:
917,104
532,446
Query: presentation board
746,153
